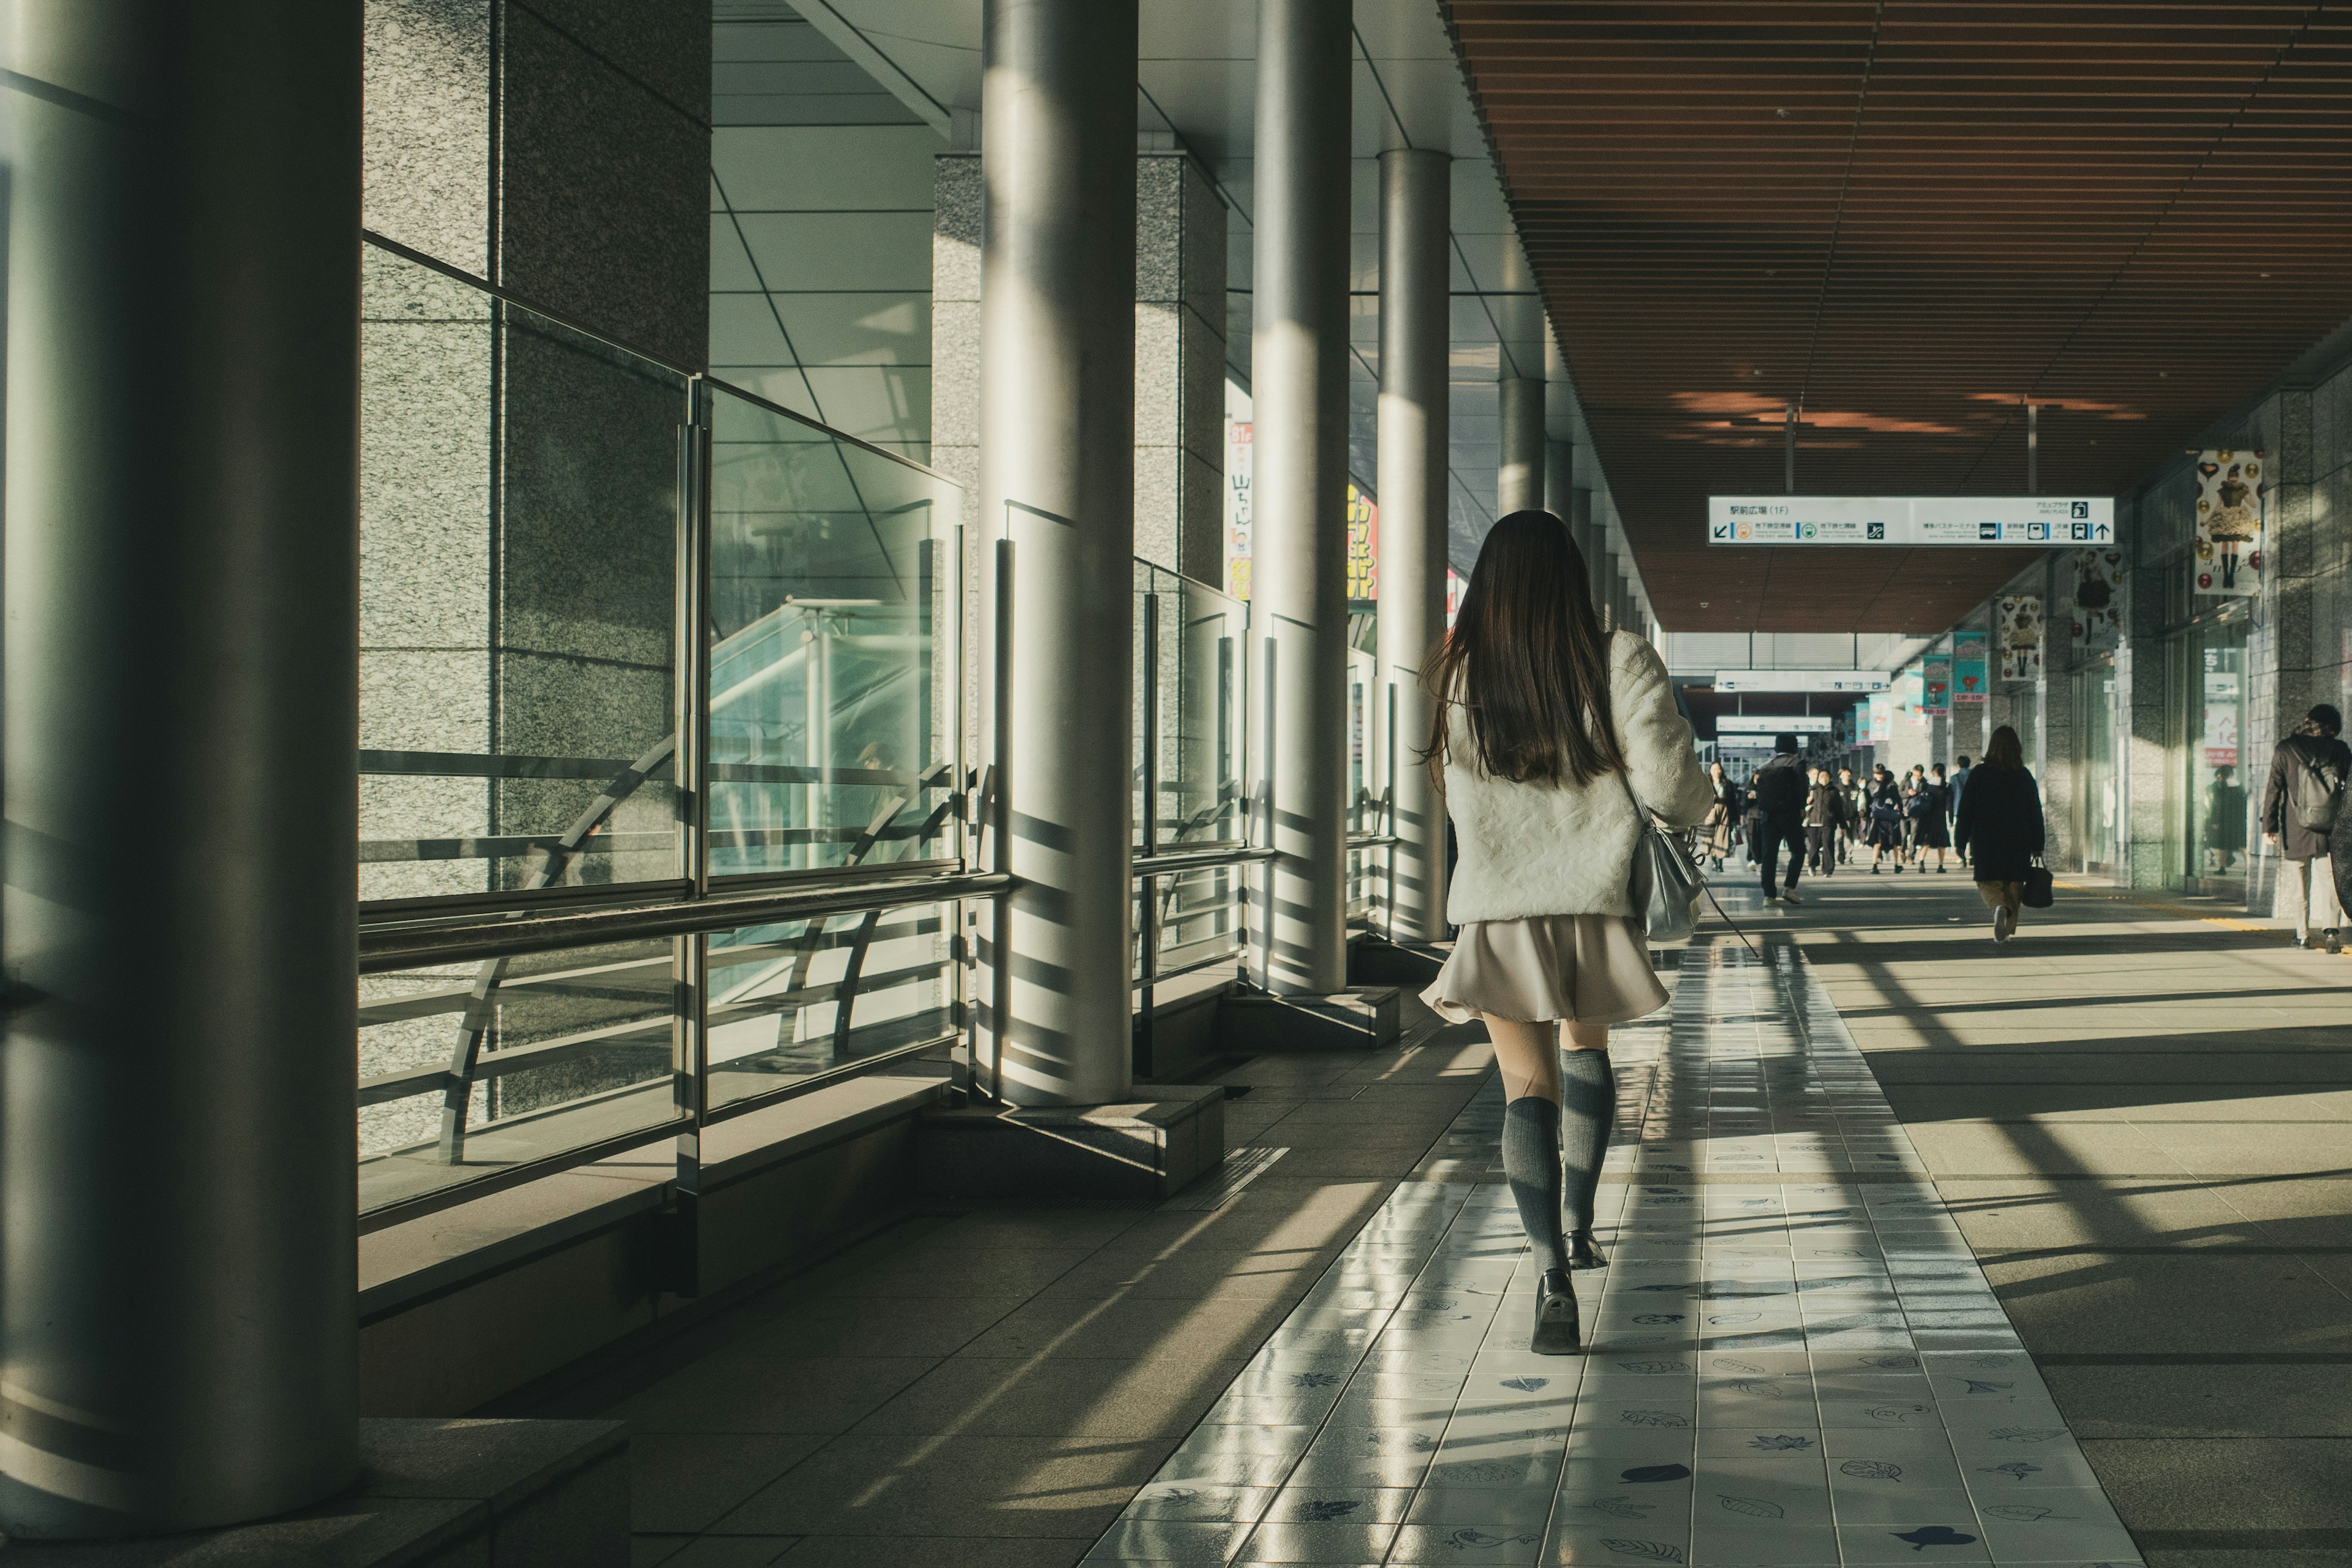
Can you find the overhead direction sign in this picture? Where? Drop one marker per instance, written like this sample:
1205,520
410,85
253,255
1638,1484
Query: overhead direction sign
1772,723
1864,680
1910,521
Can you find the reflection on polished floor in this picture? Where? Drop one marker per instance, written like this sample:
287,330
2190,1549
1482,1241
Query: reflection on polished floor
1794,1357
2135,1115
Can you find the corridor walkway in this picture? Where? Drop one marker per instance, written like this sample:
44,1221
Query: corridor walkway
2128,1125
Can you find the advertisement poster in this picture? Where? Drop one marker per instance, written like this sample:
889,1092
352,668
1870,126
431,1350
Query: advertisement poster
2098,598
1454,583
1936,683
2225,711
1910,695
2229,522
1364,545
1238,452
1970,684
1882,718
2020,636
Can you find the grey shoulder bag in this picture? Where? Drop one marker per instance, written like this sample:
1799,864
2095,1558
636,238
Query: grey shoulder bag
1666,883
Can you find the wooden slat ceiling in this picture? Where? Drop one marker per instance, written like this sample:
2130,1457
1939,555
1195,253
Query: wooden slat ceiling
1911,219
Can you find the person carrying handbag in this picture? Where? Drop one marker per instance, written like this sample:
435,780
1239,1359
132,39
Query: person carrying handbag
1554,737
2300,804
2000,824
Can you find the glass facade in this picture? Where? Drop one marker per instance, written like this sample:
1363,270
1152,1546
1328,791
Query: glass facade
543,515
2098,781
2211,719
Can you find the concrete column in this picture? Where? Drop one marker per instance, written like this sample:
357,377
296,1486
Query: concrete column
1058,479
1415,185
178,1256
1611,589
1179,367
1560,482
1520,475
1298,543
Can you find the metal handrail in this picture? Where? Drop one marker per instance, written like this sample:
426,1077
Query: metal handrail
1173,862
413,944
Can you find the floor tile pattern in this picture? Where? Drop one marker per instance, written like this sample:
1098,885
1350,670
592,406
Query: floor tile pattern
1803,1368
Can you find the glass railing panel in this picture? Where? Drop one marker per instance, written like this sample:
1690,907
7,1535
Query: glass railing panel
1202,717
519,540
833,660
468,1071
810,999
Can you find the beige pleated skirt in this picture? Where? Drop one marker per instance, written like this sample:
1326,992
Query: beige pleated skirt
1585,969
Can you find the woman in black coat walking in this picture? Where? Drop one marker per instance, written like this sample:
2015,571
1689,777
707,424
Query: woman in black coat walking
2001,818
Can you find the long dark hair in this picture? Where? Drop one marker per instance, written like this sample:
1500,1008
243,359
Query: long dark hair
2004,749
1527,660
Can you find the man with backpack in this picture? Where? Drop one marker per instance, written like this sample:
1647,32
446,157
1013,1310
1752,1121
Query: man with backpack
2300,806
1778,789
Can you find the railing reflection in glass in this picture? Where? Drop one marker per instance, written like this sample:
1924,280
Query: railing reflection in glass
833,596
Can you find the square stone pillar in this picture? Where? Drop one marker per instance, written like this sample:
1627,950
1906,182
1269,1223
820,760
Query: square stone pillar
2056,699
1179,367
2142,673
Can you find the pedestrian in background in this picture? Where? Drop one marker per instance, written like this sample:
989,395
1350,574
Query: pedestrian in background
1885,806
1934,818
1959,787
1914,805
1722,824
1824,815
2300,804
1779,790
1850,792
2001,821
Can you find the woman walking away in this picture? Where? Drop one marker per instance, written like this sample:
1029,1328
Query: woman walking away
2300,804
1556,737
1934,819
1999,828
1884,804
1722,824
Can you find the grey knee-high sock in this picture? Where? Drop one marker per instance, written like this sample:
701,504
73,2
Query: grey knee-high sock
1531,1164
1588,1104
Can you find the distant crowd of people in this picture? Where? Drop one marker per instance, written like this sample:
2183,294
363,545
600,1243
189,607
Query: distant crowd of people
1830,819
1824,820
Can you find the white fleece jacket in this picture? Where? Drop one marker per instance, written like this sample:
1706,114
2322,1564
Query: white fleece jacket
1568,850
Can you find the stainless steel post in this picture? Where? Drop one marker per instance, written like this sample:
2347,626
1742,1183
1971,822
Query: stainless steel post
1519,476
1415,306
179,1251
1057,476
1299,403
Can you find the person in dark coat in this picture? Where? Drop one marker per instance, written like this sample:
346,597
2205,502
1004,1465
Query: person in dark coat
1825,817
2316,759
1931,822
1883,807
2001,822
1779,790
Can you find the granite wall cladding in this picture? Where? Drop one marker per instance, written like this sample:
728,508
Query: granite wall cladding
1179,367
603,181
517,488
426,149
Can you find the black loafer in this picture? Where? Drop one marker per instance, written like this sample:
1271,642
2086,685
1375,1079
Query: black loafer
1582,1253
1558,1330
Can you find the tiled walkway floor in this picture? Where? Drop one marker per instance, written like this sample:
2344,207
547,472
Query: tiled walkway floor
1793,1358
